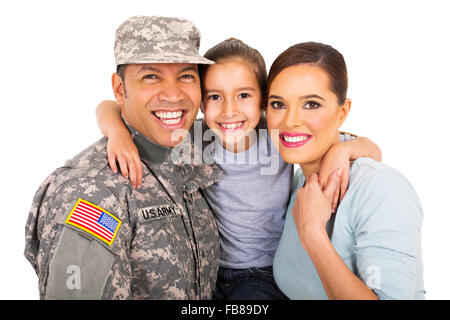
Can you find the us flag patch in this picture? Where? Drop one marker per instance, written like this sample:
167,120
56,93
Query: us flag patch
94,220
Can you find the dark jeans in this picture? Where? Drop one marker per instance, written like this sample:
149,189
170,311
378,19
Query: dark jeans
247,284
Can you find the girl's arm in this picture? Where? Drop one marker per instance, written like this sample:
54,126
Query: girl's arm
311,212
340,155
121,147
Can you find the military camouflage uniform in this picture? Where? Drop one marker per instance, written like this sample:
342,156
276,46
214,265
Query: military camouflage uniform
167,246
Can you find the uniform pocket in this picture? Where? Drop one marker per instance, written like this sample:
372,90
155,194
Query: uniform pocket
79,268
156,261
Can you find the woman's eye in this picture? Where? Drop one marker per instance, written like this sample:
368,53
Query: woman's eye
311,105
244,95
277,105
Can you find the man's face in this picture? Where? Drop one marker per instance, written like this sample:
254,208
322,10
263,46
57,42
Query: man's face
159,98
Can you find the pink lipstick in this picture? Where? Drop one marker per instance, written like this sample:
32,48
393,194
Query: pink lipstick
294,139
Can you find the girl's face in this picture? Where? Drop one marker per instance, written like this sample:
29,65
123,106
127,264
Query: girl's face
231,102
305,113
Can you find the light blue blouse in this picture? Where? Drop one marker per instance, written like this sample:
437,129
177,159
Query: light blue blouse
376,232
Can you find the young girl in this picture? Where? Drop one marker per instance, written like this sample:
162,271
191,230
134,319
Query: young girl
251,199
369,249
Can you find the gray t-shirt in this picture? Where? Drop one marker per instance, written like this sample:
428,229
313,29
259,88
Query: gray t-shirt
250,202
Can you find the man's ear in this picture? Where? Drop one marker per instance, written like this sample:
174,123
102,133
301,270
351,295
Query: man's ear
344,111
118,89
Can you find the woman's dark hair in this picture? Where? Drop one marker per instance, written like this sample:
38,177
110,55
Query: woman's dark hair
317,54
233,48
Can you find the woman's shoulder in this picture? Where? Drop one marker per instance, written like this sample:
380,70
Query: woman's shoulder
376,189
374,172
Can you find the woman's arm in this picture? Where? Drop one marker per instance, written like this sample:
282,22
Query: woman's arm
311,212
340,155
121,147
338,280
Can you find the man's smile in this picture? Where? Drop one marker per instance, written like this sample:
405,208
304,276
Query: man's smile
172,119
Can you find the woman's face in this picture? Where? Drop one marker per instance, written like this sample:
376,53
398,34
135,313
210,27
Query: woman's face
303,114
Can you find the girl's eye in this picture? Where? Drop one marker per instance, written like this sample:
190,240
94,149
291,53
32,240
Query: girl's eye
311,105
277,105
213,97
244,95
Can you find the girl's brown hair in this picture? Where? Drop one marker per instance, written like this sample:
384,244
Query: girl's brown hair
234,48
318,54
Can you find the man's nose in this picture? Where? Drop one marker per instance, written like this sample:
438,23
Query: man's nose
171,92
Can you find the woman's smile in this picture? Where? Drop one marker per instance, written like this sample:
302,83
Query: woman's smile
294,139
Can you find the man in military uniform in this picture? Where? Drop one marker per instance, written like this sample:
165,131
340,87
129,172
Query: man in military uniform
90,234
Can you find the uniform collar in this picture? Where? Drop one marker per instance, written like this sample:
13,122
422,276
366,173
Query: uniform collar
194,174
149,150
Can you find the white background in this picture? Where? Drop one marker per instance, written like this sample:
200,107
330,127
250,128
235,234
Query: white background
56,61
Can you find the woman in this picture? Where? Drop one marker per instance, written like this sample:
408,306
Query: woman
370,247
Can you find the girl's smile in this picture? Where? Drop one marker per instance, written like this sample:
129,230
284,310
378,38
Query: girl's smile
232,102
231,126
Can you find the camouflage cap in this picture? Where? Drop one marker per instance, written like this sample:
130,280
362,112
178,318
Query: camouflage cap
143,39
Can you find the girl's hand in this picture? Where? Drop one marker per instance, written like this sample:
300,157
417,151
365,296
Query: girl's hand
122,149
313,207
338,156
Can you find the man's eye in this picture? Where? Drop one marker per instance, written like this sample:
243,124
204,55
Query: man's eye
150,77
277,105
244,95
311,105
187,77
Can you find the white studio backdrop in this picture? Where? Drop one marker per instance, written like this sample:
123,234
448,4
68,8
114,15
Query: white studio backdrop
57,59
